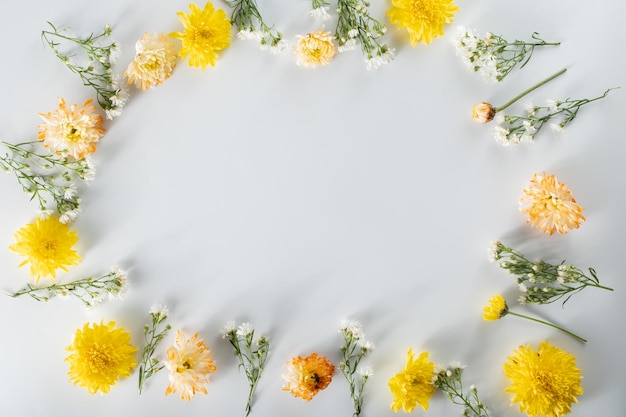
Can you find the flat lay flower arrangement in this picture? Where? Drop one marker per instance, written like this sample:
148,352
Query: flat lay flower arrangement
544,379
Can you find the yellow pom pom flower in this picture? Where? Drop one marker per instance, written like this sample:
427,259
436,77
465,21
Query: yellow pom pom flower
308,376
423,19
414,384
496,309
100,355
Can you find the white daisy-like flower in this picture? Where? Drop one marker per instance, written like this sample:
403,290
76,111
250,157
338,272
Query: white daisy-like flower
366,345
501,135
160,311
279,47
70,192
353,33
70,215
366,372
553,105
245,329
320,13
228,328
347,45
557,127
44,214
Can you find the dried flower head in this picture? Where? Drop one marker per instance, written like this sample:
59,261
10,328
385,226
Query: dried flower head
100,355
483,112
544,382
47,245
306,377
189,363
423,19
155,59
414,384
550,205
207,32
71,131
315,49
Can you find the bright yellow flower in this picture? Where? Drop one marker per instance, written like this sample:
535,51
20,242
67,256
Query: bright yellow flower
308,376
206,33
72,130
155,59
414,385
544,382
423,19
496,309
100,355
47,244
550,205
189,362
315,49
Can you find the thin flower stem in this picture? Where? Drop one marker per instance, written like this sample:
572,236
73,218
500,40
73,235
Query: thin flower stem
529,90
549,324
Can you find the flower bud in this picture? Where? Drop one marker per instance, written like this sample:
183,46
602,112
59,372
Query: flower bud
483,112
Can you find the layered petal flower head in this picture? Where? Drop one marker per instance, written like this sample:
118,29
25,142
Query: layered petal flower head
155,59
71,130
100,355
483,112
550,205
315,49
414,384
207,32
423,19
308,376
544,382
496,309
47,245
189,363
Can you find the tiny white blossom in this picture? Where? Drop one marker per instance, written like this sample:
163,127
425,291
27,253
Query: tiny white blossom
347,45
353,33
320,13
228,328
160,311
69,192
366,372
245,329
44,214
70,215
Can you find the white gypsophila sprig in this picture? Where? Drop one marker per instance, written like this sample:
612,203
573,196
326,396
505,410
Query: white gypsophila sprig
319,9
153,333
356,26
251,353
492,56
353,350
448,379
91,291
540,282
96,70
247,18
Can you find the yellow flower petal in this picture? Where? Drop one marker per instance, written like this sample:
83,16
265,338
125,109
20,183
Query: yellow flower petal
414,384
423,19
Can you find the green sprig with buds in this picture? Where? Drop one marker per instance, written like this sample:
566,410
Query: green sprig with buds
152,336
449,381
248,20
353,350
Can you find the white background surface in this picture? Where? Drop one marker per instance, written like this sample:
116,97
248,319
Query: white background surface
294,198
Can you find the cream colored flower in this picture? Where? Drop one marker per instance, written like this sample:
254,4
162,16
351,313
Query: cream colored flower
155,59
315,49
483,112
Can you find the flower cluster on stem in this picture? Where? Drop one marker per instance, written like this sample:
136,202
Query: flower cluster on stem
152,335
97,71
319,9
541,282
250,351
353,350
356,26
250,24
449,381
492,56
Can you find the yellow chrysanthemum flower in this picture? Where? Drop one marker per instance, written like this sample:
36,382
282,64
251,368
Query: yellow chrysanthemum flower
308,376
414,385
189,363
544,382
315,49
47,244
550,205
155,59
207,32
496,309
72,130
423,19
100,355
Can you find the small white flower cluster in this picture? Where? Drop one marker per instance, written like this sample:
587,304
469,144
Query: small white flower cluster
353,350
251,26
150,365
448,379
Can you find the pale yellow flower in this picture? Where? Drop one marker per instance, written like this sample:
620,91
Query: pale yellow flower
550,205
483,112
414,384
47,245
72,130
308,376
496,309
315,49
207,32
189,363
155,59
544,382
100,355
423,19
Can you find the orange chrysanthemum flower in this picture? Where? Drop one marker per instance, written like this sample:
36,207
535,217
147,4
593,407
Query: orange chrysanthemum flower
550,205
308,376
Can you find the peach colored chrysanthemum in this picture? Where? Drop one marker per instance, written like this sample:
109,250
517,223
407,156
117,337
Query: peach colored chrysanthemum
550,205
189,363
207,32
308,376
155,59
315,49
47,245
544,382
100,355
423,19
414,384
72,130
496,309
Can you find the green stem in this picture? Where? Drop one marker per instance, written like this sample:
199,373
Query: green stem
549,324
527,91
